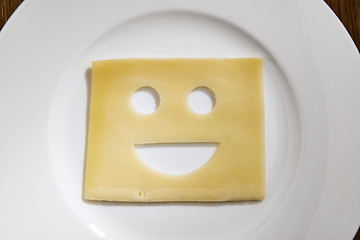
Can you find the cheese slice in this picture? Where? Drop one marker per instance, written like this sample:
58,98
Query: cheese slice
236,171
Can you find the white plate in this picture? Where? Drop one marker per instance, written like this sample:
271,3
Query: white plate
311,77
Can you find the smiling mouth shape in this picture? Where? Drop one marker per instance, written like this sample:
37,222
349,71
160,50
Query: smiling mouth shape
176,158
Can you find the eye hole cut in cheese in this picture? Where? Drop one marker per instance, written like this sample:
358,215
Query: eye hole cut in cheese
235,172
202,100
146,100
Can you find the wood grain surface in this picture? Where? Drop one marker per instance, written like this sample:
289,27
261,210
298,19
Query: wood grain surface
348,11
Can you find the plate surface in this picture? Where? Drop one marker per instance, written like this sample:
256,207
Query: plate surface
311,77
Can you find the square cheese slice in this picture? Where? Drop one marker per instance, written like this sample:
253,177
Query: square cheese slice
236,171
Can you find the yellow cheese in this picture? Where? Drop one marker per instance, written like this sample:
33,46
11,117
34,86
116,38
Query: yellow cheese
236,171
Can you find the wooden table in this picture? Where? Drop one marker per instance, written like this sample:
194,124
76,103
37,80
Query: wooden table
348,12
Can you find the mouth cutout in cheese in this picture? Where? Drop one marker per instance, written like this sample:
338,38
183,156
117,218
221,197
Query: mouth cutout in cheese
236,171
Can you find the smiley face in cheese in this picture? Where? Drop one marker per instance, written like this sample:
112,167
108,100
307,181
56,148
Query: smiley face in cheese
236,171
